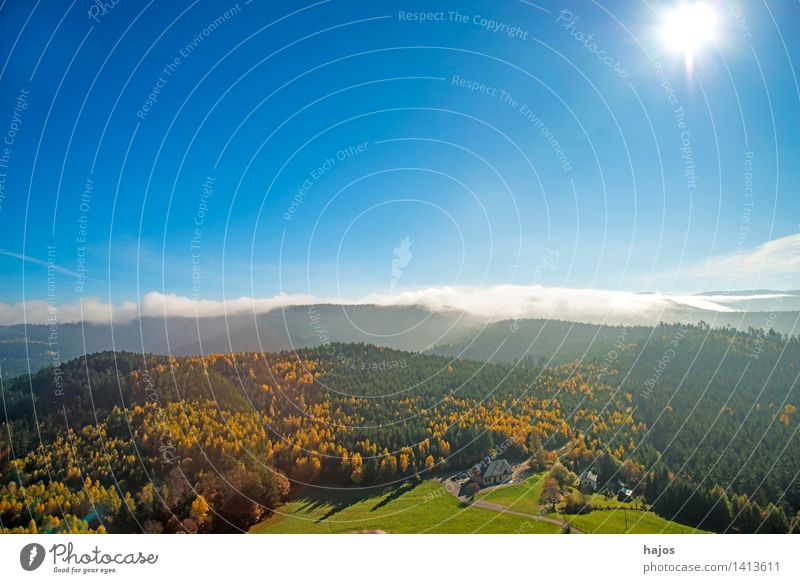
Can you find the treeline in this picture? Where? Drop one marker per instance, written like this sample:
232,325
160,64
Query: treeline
721,407
715,509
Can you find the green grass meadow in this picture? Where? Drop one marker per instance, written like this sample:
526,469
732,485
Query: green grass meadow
426,507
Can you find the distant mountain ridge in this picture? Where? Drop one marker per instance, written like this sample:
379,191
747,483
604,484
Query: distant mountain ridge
411,328
405,328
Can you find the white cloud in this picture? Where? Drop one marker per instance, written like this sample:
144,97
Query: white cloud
590,305
153,304
157,304
772,262
769,264
491,303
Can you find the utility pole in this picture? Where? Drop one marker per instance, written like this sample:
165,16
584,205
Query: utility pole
625,513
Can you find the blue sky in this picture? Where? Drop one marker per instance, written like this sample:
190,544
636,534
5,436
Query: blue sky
508,156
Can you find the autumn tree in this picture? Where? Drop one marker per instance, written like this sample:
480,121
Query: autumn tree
576,503
562,475
551,490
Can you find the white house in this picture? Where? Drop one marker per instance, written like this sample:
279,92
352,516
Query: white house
589,481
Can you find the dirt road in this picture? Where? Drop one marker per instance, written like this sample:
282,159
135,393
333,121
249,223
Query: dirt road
454,489
536,517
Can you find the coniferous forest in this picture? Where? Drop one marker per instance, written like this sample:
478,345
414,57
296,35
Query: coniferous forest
701,423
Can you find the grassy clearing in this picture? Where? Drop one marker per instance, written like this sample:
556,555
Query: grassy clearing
639,522
601,501
524,497
426,507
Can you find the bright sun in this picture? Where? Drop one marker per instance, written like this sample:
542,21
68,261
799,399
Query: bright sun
688,27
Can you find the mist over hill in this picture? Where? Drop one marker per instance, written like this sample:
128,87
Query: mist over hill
406,328
450,332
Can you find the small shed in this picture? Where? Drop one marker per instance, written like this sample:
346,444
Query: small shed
625,494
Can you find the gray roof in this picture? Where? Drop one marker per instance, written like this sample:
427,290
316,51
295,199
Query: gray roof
496,468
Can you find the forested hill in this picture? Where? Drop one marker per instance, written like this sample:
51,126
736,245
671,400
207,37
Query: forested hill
25,348
545,342
540,342
722,407
701,422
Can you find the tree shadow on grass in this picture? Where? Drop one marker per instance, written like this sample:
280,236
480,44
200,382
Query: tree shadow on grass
337,502
342,500
337,507
404,488
310,504
310,501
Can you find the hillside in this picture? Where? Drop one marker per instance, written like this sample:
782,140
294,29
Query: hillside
540,342
547,342
214,444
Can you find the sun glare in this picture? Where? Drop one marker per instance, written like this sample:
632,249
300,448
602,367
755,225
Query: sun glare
689,27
